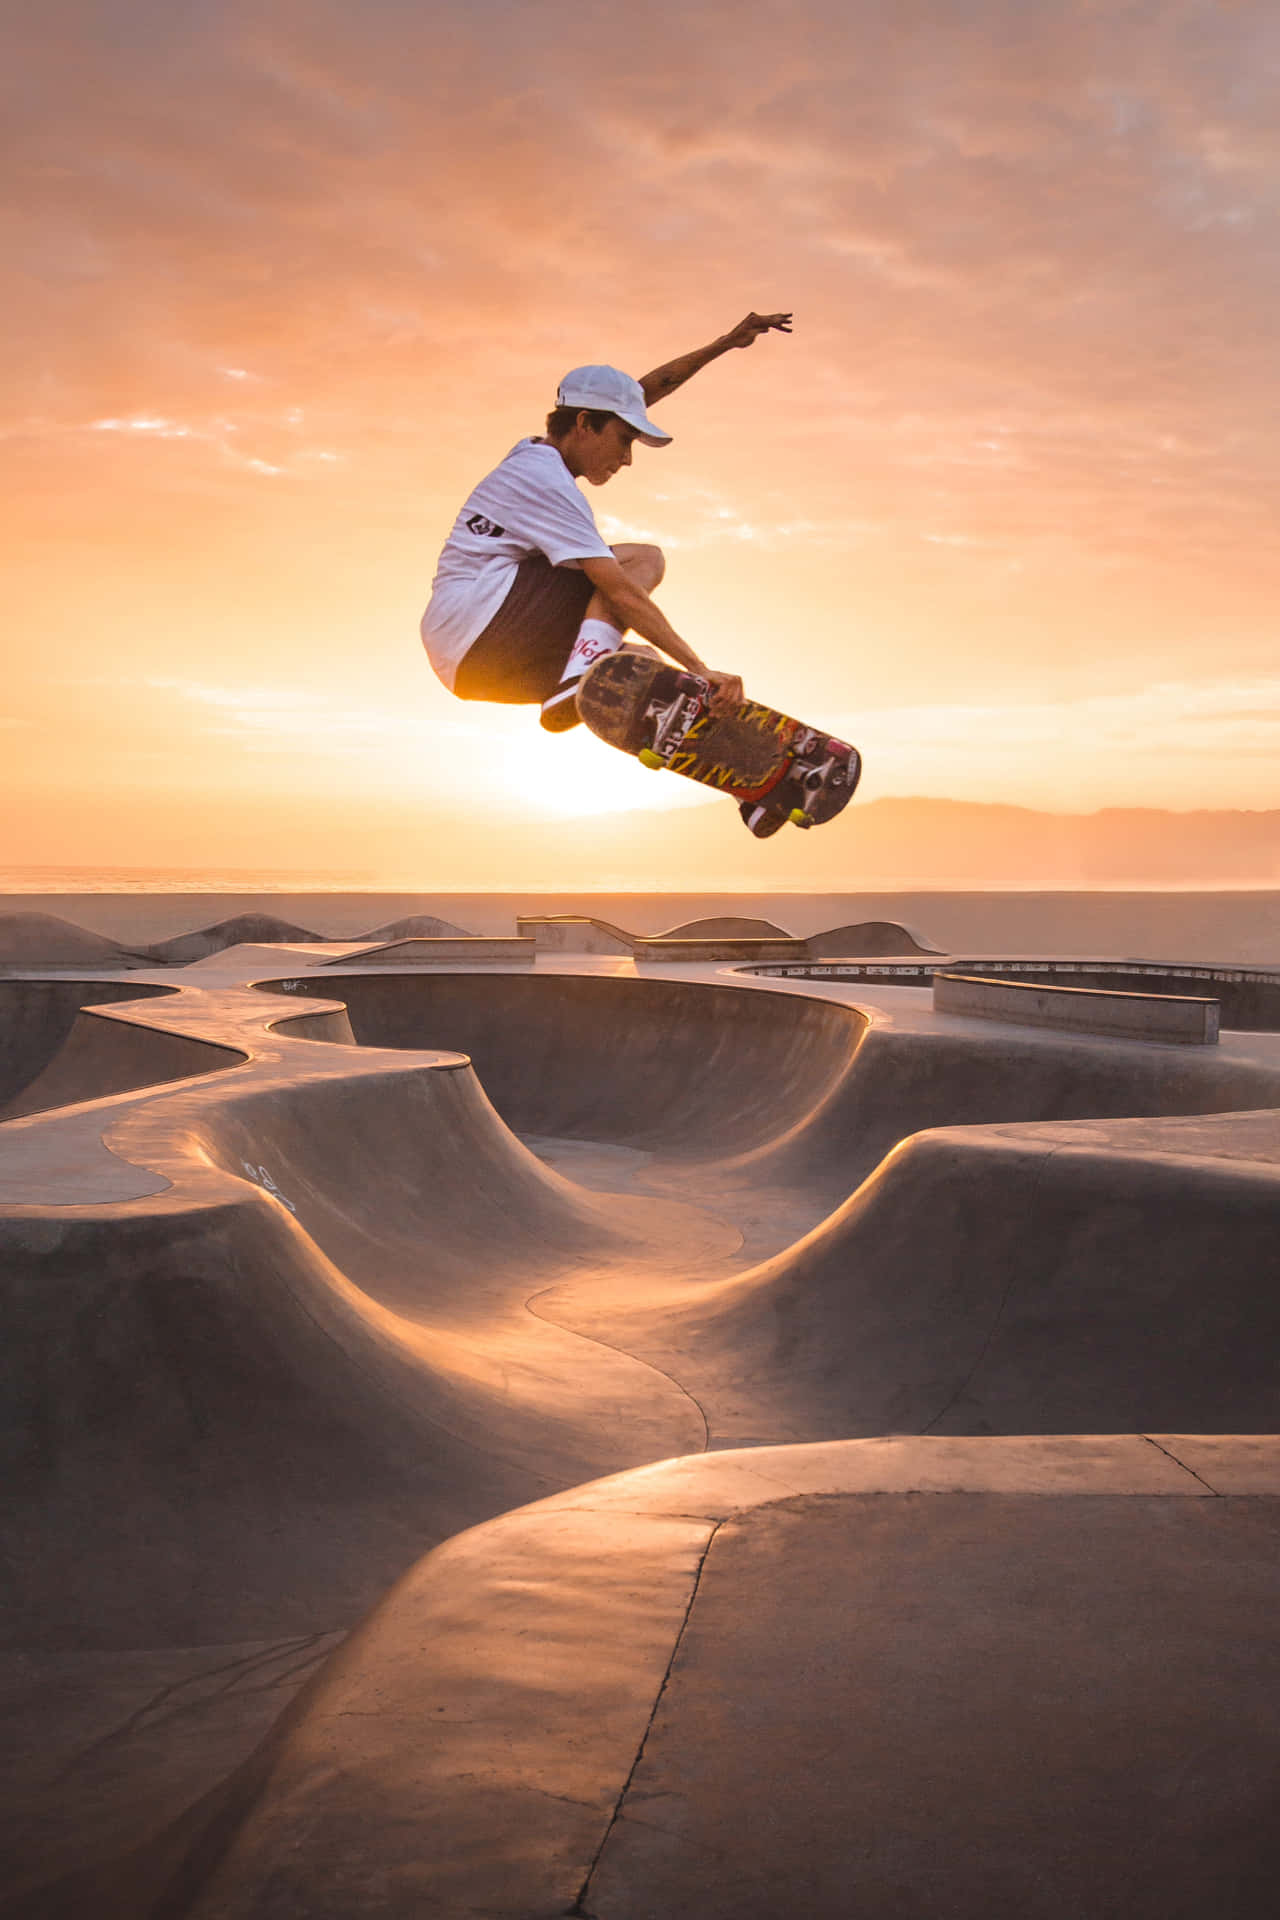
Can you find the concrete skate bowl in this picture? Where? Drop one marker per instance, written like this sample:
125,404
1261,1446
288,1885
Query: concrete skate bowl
650,1064
949,1205
365,1315
309,1353
58,1047
806,1089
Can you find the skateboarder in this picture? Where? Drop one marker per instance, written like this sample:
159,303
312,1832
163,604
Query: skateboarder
527,594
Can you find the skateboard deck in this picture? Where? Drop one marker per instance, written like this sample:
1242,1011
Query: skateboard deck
778,769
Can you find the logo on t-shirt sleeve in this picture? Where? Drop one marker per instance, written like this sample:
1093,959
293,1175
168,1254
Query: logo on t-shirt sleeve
487,529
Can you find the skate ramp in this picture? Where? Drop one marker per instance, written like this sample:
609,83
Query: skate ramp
982,1678
867,938
364,1315
999,1281
58,1048
726,927
31,940
783,1092
976,1274
243,929
325,1315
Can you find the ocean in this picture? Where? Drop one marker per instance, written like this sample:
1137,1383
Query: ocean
1238,926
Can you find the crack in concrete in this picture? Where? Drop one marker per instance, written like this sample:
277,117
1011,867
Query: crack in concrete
579,1909
624,1353
1181,1463
167,1701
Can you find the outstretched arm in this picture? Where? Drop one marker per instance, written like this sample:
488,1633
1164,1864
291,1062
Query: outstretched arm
665,379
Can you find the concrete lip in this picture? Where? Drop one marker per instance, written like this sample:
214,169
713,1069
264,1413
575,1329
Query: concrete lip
441,950
1139,1016
307,1333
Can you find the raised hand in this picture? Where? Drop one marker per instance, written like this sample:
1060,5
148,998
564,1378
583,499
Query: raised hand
749,330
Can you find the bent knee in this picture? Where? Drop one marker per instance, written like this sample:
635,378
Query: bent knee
646,564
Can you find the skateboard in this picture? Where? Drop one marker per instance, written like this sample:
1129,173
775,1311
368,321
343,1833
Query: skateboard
778,769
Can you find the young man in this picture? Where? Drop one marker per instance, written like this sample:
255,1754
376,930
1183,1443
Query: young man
527,594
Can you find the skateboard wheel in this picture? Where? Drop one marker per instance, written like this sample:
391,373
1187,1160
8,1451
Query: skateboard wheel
648,758
799,818
762,821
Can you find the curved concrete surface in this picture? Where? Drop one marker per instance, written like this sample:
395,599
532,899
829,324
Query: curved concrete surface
107,1053
240,930
36,1021
884,1678
384,1294
726,927
734,937
867,937
47,940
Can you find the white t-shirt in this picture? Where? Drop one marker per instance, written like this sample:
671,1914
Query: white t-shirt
530,504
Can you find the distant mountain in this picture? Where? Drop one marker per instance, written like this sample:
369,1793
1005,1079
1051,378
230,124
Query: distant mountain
967,843
892,843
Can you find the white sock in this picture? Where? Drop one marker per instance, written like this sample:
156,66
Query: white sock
595,639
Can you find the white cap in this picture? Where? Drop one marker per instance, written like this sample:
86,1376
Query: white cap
608,390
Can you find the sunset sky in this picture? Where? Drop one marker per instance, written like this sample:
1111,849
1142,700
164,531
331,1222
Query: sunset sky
282,281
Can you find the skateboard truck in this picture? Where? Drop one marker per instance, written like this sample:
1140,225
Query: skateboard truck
814,777
673,721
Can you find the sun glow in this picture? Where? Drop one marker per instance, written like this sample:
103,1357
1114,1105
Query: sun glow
568,775
1000,512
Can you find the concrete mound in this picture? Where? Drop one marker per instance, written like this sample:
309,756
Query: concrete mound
727,927
866,940
418,926
30,940
1004,1281
244,929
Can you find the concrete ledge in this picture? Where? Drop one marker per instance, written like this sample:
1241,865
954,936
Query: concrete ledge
1131,1016
683,951
472,950
573,933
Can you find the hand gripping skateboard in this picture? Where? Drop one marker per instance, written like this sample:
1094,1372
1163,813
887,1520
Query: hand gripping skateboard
776,768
